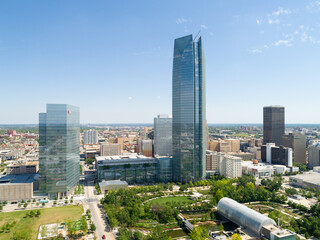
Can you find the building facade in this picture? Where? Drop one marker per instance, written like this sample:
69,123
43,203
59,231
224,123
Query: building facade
59,149
146,147
134,169
163,135
110,149
298,143
314,155
273,124
230,166
90,137
188,110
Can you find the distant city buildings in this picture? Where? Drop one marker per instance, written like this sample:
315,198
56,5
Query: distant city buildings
146,147
163,135
314,155
273,124
59,149
188,110
110,149
230,166
90,137
298,144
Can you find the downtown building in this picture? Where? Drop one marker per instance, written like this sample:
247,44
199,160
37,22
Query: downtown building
59,150
163,135
188,111
273,124
90,136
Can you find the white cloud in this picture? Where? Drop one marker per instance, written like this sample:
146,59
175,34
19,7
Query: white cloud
314,6
130,98
284,42
181,20
258,21
281,11
211,33
305,37
255,50
273,21
185,29
204,26
158,97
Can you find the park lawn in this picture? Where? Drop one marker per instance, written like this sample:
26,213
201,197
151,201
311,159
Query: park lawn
172,199
48,215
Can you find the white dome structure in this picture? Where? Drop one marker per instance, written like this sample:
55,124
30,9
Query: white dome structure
243,216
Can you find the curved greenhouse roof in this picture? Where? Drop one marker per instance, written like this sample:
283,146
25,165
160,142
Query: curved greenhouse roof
243,216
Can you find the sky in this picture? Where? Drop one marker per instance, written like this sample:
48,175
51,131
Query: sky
113,59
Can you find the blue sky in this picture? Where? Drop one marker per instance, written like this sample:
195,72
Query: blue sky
113,59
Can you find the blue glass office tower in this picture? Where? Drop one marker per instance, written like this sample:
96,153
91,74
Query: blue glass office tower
59,149
188,110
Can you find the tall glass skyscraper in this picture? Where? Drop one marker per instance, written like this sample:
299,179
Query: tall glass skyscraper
273,124
59,149
188,110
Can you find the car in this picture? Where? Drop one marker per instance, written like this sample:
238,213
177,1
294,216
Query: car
103,236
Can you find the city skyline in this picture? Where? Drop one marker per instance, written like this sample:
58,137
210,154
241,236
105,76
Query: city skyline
270,47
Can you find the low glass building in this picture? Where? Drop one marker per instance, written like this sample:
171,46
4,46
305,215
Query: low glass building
134,169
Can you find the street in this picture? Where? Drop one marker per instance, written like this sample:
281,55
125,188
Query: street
92,202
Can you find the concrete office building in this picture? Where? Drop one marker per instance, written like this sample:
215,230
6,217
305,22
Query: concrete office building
59,149
298,144
23,168
18,187
110,149
90,137
314,155
163,135
273,124
189,133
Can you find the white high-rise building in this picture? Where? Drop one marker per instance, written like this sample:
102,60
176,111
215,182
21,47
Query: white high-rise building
163,135
230,166
90,137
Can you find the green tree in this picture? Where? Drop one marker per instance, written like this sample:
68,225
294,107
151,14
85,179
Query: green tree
236,237
72,227
199,233
92,227
220,227
159,234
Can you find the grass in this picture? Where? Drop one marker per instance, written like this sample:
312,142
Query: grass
172,199
48,215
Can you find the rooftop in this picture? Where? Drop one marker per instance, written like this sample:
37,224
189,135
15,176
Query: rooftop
18,178
310,177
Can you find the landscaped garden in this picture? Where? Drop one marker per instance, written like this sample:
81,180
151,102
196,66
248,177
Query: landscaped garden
27,222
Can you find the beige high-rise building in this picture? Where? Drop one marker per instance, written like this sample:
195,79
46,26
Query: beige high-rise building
110,149
225,146
212,160
234,144
214,145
